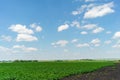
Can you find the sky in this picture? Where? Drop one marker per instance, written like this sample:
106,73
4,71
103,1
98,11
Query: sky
59,29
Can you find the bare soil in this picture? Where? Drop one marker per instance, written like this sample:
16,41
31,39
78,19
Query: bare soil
106,73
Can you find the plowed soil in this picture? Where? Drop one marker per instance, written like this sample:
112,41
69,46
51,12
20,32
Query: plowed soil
106,73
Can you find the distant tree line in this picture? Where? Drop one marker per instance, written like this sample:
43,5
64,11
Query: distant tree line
25,61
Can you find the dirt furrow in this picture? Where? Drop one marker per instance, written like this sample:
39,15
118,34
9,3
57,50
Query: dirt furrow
107,73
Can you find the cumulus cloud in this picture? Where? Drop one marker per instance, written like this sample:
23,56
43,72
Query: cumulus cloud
96,42
24,34
84,32
16,49
98,30
74,41
108,42
22,29
117,45
89,26
79,10
25,37
6,38
116,35
94,27
75,24
83,45
5,50
54,44
60,43
63,27
24,48
89,0
76,12
38,28
108,32
99,11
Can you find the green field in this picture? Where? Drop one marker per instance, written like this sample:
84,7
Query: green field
47,70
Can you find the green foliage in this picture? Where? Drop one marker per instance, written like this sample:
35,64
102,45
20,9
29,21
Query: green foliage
46,70
25,61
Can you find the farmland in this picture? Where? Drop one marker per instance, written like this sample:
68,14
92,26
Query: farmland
51,70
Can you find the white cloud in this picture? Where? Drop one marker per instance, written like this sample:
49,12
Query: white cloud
33,25
25,37
6,38
79,10
74,41
76,12
83,45
108,32
36,27
63,27
53,44
89,0
22,29
17,49
23,48
75,24
83,32
116,46
98,30
60,43
96,42
116,35
96,45
108,42
99,11
82,9
90,26
5,50
25,34
94,27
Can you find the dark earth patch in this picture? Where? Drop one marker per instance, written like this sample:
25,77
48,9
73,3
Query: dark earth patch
106,73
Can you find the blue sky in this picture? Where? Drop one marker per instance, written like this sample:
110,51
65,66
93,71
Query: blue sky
59,29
